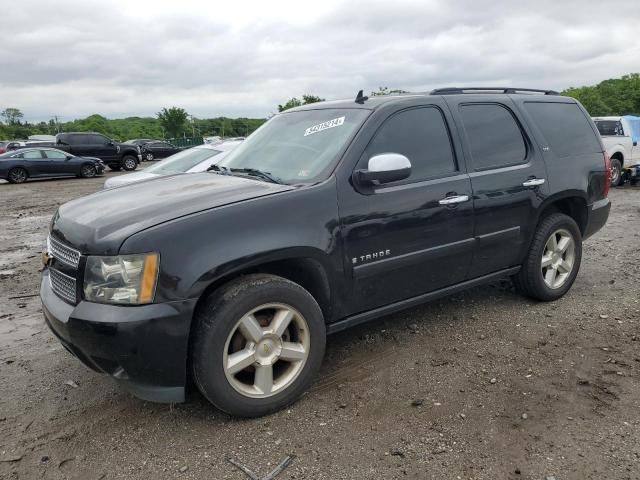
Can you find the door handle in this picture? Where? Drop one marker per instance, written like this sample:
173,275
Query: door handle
454,200
533,182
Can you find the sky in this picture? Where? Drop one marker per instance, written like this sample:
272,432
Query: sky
118,58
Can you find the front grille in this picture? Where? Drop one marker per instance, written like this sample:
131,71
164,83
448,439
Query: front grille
63,253
63,285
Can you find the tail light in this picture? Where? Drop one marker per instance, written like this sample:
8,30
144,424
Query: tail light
2,150
607,180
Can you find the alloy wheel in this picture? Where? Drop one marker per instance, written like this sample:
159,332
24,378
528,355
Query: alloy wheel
149,157
615,174
558,258
129,164
18,175
88,171
266,350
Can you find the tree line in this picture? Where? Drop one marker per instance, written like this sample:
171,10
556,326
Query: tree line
616,96
172,122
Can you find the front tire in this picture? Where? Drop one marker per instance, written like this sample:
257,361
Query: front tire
129,163
553,261
257,344
17,175
149,157
88,171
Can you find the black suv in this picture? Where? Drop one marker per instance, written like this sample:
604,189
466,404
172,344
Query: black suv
88,144
328,216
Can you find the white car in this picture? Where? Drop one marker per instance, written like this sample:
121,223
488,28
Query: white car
620,136
196,159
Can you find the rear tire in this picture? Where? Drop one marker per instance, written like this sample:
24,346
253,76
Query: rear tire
553,261
616,172
271,325
17,175
129,163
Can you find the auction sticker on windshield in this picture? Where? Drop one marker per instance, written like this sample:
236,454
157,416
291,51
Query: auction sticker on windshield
336,122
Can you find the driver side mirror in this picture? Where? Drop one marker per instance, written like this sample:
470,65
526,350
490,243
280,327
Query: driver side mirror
384,168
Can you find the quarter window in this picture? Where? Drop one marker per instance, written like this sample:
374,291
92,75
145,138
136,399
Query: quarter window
565,127
494,137
421,135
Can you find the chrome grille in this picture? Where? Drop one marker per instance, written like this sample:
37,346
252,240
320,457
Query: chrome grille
63,285
62,252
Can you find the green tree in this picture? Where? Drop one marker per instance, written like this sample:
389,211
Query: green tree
173,120
295,102
11,116
615,96
386,91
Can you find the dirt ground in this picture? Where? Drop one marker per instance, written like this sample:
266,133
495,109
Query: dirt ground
482,385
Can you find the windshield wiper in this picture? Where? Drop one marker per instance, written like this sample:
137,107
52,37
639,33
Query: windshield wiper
254,172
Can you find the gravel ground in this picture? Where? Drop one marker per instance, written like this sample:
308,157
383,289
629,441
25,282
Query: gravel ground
482,385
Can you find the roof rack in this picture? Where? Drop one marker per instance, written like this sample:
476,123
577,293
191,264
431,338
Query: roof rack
457,90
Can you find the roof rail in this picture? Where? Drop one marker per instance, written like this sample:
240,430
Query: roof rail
458,90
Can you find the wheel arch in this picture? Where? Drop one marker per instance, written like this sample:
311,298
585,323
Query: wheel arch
305,268
572,204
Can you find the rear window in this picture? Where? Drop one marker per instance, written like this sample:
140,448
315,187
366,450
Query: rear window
565,127
609,128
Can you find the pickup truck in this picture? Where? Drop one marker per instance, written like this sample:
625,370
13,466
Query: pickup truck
89,144
620,136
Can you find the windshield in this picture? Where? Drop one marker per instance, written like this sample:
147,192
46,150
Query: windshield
297,147
610,127
182,161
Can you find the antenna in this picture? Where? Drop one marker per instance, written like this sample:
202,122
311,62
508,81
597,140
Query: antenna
361,98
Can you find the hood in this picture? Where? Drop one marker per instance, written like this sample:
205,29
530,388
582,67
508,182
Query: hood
128,178
101,222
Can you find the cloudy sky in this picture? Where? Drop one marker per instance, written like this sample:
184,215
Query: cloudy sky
127,57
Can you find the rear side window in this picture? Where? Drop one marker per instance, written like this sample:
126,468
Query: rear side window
565,128
495,139
421,135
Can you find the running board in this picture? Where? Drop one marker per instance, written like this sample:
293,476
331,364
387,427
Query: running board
359,318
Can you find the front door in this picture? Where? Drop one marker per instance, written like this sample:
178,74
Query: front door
415,235
508,176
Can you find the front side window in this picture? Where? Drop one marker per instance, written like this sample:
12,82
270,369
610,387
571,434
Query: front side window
421,135
55,154
494,137
297,147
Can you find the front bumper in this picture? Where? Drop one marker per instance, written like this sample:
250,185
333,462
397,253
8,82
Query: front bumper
597,217
143,347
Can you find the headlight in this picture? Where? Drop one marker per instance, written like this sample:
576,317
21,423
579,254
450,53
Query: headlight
124,279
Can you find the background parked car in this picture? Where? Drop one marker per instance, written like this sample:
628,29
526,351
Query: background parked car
140,141
20,165
620,136
18,144
156,149
3,147
196,159
115,155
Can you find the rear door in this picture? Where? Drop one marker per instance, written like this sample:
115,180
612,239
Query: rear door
508,178
404,239
36,164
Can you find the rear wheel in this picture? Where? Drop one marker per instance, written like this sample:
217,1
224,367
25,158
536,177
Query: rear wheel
553,261
258,343
616,172
17,175
88,171
129,163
